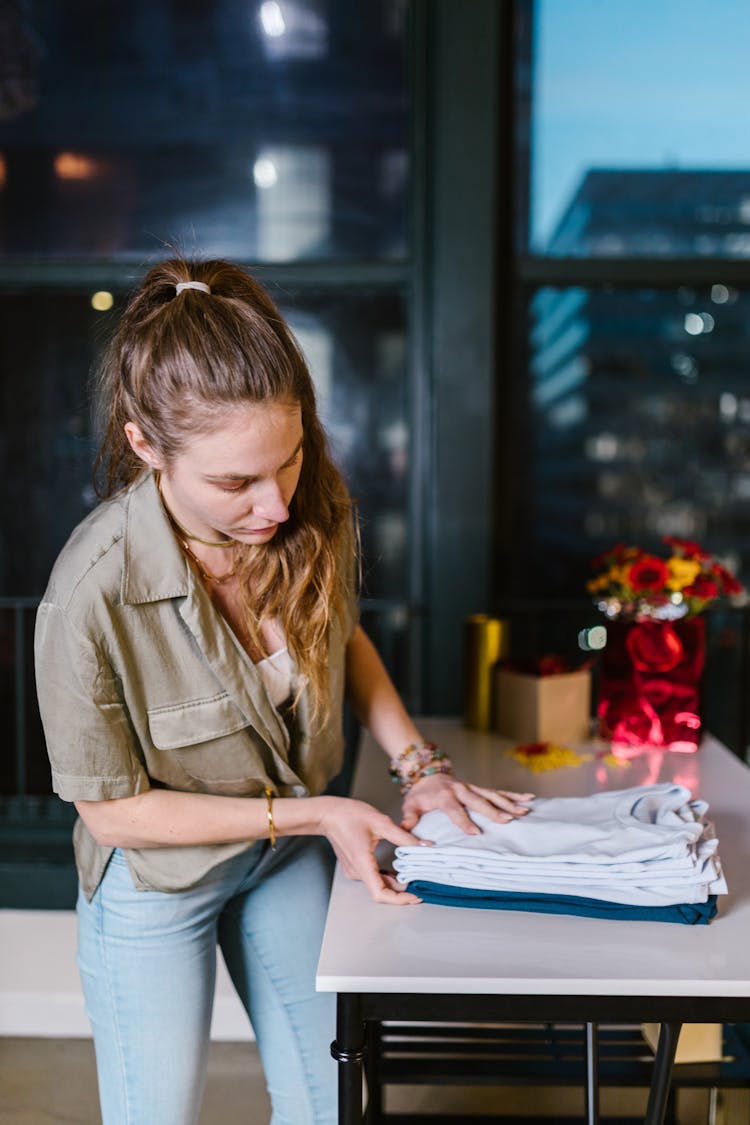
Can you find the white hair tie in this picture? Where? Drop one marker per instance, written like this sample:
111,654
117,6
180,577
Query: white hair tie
192,285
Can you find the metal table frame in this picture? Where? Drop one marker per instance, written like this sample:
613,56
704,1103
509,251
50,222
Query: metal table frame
355,1009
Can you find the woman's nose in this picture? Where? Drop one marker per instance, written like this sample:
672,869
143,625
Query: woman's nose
271,503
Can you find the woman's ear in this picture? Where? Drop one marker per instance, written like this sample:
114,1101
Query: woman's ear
141,447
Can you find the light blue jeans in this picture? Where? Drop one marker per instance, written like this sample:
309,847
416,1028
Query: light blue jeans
148,965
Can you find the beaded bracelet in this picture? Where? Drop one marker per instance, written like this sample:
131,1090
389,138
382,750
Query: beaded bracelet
417,762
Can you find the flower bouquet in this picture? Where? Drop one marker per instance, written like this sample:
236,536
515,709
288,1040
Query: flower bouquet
649,691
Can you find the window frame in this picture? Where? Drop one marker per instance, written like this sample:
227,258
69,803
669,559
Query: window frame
526,272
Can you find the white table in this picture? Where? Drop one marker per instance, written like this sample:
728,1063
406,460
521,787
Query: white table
449,963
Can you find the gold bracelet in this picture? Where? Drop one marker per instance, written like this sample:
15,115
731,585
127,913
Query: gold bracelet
269,814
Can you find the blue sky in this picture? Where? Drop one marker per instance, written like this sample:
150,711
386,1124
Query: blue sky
635,84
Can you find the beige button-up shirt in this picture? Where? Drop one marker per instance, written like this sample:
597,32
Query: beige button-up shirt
142,683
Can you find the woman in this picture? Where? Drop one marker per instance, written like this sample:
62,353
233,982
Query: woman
194,646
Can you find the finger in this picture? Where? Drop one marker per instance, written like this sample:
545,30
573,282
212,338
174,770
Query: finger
408,820
508,802
380,891
458,814
395,834
396,898
492,803
392,883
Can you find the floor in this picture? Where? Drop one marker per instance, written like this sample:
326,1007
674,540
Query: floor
53,1082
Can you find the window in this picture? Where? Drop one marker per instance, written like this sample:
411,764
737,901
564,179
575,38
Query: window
639,423
632,227
273,132
631,233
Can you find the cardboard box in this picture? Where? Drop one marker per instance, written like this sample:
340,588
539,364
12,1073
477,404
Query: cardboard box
553,708
698,1042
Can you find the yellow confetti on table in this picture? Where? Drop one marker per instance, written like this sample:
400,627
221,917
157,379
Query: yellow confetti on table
614,761
542,756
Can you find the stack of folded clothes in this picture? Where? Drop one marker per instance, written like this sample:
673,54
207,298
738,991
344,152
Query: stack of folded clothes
642,853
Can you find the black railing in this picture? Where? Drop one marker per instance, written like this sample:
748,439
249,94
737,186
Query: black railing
24,773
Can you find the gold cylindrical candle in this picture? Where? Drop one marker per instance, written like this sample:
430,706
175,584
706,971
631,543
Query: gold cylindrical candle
485,641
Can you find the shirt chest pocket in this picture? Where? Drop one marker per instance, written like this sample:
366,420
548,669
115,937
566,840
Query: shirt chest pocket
180,725
205,745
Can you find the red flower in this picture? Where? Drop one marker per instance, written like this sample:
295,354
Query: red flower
687,547
648,573
534,748
726,580
606,558
632,583
704,588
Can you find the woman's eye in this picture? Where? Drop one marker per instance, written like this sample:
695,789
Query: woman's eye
233,487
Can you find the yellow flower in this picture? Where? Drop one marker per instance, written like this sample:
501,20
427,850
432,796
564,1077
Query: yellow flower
618,575
601,582
682,572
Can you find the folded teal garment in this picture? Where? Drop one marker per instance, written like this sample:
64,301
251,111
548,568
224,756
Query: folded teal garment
690,913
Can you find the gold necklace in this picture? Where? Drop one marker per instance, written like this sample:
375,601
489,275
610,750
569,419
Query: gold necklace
205,574
184,531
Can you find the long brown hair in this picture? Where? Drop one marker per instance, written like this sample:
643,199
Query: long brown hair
172,362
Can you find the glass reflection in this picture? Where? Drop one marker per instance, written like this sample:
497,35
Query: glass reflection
293,206
262,130
293,29
356,349
639,424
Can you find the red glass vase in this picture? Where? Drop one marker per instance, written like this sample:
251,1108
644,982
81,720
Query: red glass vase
650,685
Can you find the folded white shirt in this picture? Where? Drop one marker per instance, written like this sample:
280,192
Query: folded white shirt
647,845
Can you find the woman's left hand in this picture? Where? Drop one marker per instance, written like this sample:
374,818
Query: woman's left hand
453,797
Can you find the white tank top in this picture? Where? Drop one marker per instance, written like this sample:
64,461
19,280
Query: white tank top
276,671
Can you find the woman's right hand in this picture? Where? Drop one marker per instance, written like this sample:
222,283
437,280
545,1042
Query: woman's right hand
354,829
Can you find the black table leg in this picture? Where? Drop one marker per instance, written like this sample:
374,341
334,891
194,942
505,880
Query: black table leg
592,1074
661,1079
348,1049
374,1114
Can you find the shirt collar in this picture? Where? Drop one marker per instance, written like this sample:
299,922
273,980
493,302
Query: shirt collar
154,566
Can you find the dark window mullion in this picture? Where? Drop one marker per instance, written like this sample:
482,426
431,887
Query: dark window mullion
650,272
23,276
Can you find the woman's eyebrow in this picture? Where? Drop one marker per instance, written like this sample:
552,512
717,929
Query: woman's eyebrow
244,476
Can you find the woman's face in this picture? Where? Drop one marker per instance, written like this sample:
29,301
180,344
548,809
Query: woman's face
238,479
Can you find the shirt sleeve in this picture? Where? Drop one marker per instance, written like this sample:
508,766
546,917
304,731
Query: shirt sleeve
90,741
